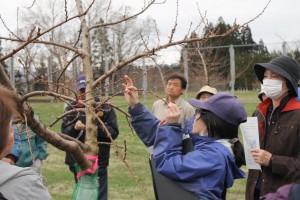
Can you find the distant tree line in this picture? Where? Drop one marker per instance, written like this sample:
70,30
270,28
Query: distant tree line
215,56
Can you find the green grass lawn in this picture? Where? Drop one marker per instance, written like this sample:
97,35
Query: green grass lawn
122,185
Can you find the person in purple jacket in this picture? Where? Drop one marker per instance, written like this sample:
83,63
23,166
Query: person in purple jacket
214,164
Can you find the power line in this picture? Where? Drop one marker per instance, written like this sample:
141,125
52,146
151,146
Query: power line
240,45
227,46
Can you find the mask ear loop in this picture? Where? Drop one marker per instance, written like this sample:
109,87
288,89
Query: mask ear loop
287,90
205,122
234,140
197,118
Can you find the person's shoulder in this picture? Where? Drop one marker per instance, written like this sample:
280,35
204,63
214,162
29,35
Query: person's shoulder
186,104
158,103
181,100
19,171
16,173
292,105
70,106
23,181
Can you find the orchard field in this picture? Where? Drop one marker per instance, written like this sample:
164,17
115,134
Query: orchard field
122,185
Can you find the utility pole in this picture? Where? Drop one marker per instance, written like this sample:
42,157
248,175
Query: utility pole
284,48
232,68
12,71
50,70
186,70
107,79
232,59
145,84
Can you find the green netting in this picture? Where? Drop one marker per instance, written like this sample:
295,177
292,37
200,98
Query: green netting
87,186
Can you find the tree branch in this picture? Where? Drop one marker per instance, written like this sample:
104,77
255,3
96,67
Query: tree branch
31,39
124,19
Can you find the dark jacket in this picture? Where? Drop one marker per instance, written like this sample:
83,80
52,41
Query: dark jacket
107,115
282,141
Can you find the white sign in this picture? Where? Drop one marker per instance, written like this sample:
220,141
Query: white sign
251,141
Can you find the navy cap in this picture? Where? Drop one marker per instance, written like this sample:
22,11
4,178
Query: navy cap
80,84
225,106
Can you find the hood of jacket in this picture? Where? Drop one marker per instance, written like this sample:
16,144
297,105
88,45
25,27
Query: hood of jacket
233,172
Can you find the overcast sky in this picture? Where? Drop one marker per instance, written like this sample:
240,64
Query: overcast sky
280,21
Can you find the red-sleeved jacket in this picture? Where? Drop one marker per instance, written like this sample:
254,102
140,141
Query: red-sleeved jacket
282,141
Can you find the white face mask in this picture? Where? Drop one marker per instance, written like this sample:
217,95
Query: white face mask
201,133
272,88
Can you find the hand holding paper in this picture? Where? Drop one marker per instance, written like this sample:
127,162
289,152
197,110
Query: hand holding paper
251,141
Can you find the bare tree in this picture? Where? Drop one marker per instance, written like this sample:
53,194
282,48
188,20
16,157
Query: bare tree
80,47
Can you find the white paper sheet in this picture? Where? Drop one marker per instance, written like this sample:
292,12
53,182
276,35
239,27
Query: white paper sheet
251,140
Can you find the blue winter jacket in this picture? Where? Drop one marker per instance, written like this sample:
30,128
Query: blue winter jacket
187,129
16,151
200,171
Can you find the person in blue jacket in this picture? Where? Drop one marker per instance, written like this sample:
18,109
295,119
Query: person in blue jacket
204,94
214,164
15,153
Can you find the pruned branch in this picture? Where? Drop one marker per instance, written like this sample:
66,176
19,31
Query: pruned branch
39,34
122,20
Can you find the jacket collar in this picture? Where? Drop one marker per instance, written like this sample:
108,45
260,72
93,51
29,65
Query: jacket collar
177,101
292,104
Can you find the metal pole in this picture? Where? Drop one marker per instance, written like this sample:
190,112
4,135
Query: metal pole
186,71
107,79
12,71
145,83
284,49
232,68
50,65
26,79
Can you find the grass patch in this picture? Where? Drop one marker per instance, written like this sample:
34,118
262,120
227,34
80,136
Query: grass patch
121,184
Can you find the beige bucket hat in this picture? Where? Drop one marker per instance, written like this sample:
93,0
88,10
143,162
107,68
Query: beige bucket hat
207,89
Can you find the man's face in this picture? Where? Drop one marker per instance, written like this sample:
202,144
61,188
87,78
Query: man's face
174,88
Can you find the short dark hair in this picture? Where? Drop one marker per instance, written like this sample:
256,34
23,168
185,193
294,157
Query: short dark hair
220,129
7,109
180,77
